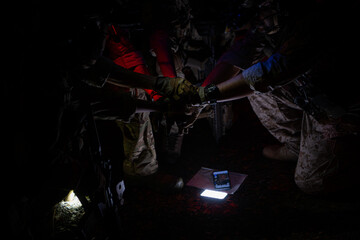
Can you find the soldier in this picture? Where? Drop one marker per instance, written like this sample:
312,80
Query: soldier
296,93
60,67
167,24
141,159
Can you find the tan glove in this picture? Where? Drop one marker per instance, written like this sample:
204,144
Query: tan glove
178,89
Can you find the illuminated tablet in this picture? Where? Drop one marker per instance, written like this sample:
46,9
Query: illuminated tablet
213,194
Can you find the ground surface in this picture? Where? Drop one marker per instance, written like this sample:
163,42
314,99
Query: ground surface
268,205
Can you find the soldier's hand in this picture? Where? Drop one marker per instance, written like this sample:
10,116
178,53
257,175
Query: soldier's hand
178,89
192,113
210,93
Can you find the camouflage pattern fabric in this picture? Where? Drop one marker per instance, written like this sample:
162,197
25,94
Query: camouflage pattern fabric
280,117
138,142
326,151
329,156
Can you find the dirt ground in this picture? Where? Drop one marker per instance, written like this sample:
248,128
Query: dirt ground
268,205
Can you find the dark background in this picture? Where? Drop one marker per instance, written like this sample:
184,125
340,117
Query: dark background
268,205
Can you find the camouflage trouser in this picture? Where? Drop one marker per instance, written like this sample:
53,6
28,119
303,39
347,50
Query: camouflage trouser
138,142
323,149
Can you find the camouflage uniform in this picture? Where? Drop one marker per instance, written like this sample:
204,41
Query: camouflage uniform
138,142
321,141
138,139
321,164
326,147
281,117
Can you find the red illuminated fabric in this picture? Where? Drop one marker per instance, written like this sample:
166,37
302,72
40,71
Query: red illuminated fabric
159,42
124,54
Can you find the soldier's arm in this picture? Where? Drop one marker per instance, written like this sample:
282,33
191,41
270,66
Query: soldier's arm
123,77
105,71
261,77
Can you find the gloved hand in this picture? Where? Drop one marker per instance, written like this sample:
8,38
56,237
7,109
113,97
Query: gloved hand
178,89
210,93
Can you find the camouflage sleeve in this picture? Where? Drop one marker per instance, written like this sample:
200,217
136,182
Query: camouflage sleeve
264,76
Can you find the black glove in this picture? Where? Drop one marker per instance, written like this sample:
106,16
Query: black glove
210,93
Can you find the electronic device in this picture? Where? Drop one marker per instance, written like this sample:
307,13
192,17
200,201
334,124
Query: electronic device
213,194
221,180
